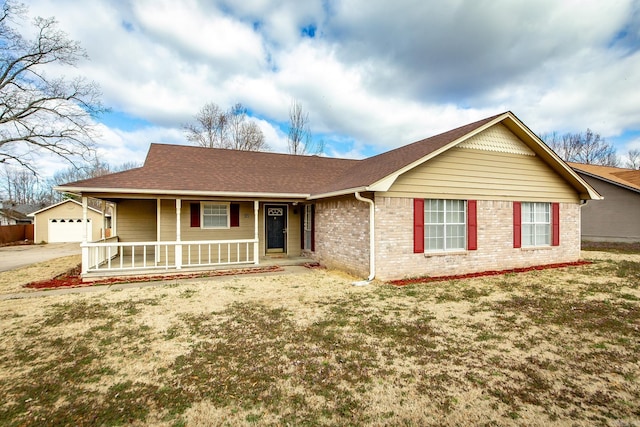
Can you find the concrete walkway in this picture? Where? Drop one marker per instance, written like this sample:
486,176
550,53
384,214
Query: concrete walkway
287,270
12,257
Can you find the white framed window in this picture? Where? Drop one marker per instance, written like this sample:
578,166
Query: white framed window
536,224
445,225
215,215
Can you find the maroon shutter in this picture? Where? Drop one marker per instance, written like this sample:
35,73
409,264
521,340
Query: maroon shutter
472,225
517,225
235,215
195,214
555,224
418,225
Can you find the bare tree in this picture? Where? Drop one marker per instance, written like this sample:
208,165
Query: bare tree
217,128
299,138
587,148
244,135
39,113
633,159
19,185
46,193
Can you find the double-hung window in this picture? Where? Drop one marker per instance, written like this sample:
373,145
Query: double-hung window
445,225
536,224
215,215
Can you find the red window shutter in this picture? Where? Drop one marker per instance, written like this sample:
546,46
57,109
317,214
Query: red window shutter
195,214
517,225
472,225
234,220
555,224
418,225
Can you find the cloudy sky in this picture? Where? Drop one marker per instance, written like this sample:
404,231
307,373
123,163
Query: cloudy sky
372,74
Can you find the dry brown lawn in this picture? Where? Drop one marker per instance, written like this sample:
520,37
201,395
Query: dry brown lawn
553,347
13,281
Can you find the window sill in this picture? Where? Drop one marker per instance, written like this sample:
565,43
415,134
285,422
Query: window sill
445,253
536,248
215,228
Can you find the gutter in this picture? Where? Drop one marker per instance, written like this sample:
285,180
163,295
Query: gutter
372,241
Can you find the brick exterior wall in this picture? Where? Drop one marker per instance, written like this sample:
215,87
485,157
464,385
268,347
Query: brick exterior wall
342,234
394,242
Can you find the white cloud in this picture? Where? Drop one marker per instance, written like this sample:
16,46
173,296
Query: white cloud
376,74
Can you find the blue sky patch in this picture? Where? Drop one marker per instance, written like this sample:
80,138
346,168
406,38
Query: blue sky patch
309,31
123,121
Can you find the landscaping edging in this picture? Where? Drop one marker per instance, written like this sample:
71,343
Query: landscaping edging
427,279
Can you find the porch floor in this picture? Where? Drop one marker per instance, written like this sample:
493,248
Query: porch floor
104,272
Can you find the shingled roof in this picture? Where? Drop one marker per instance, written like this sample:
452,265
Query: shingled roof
178,169
629,178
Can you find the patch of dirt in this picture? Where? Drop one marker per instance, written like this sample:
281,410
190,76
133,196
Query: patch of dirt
18,243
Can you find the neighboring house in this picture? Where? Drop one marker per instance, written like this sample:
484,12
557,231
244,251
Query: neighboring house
10,216
617,217
64,222
486,196
13,213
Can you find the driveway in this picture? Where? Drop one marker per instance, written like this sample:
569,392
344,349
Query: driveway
18,256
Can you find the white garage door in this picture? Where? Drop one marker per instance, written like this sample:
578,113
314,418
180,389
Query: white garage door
67,230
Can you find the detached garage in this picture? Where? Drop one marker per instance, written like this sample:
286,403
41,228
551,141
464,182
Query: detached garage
62,223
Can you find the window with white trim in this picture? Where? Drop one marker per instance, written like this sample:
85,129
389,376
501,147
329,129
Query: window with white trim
215,215
536,224
445,225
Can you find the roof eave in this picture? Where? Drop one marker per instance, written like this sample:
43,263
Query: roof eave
601,178
146,191
338,193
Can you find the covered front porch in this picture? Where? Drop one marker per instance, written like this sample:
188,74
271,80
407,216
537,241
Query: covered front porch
165,235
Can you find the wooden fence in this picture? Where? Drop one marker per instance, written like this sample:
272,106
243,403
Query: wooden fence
15,233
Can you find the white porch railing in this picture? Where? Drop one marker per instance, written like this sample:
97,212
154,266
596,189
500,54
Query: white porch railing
109,255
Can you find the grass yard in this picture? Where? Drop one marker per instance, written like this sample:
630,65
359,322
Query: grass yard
552,347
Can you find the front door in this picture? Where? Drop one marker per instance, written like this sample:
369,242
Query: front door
276,227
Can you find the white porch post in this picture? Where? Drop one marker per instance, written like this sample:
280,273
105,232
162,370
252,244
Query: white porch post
103,233
256,245
178,245
114,219
84,248
158,238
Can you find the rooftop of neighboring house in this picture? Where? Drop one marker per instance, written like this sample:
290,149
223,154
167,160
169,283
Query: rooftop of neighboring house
629,178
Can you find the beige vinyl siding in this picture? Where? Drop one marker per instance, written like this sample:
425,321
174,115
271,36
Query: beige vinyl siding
293,230
244,231
168,223
467,173
136,220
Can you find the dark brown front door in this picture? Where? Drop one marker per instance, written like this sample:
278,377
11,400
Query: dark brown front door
276,227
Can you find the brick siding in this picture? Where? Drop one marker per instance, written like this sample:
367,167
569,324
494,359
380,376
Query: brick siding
394,242
342,234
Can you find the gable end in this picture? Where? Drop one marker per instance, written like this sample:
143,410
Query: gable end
497,139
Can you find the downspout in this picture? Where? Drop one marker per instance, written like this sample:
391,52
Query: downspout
372,240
